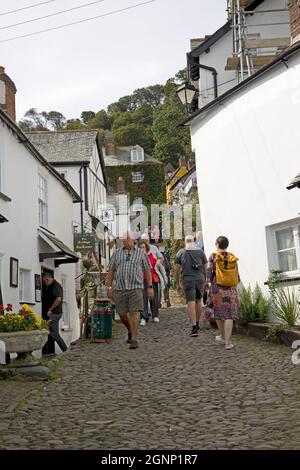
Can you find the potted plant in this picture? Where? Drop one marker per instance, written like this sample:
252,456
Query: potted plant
22,332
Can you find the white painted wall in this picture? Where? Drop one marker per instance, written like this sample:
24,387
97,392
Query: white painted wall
223,48
19,237
247,153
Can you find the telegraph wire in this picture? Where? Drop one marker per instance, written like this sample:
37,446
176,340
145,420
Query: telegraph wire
26,8
78,22
52,14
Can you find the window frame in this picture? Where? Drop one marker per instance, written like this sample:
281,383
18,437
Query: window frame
137,151
137,176
25,290
272,246
43,201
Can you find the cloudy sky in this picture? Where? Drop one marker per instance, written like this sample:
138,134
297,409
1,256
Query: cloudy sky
89,65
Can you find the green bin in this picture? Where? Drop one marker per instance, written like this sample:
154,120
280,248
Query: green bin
101,322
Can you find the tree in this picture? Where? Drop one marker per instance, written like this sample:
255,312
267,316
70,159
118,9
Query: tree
100,120
87,116
135,134
171,140
42,121
74,124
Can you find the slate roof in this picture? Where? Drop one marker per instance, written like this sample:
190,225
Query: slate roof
64,146
123,158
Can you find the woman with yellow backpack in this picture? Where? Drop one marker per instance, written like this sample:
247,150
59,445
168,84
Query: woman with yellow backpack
223,278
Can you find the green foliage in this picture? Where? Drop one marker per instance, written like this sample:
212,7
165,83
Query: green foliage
74,124
152,189
254,306
149,117
171,140
285,307
10,322
274,277
101,120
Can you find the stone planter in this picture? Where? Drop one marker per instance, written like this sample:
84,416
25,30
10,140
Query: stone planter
260,331
24,343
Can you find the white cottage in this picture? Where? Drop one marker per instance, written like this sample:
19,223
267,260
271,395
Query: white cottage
247,145
36,233
77,156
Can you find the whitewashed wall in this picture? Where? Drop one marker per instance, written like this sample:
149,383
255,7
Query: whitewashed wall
247,152
223,48
19,237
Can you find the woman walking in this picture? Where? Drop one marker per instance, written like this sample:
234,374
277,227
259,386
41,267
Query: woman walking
155,281
222,274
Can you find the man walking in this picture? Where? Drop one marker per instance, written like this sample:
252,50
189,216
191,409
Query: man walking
192,262
52,297
129,264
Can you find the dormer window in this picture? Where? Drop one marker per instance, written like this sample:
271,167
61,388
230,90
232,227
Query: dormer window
137,154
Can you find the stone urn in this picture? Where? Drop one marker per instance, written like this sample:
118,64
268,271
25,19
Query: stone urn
24,343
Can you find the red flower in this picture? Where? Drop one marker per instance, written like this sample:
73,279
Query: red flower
1,308
9,308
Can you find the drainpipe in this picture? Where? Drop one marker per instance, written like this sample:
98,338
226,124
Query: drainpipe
81,208
193,63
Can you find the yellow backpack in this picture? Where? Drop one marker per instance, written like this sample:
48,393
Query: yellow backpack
226,269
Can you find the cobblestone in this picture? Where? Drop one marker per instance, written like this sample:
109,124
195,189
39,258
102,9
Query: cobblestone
173,392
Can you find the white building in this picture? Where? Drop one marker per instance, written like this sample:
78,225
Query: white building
77,156
36,207
261,37
247,145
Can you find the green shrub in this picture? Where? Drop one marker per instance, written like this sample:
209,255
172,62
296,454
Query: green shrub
285,307
254,306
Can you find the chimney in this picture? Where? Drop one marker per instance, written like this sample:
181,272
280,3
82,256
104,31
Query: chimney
191,164
7,94
121,185
294,8
196,42
109,144
182,162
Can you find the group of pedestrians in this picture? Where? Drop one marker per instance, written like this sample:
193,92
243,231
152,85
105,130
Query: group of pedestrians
140,276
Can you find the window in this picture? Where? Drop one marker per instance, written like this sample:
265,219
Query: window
137,177
284,247
287,242
25,291
137,154
138,204
43,201
65,305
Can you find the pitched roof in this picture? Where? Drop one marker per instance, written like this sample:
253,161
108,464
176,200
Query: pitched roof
248,5
23,139
282,58
123,158
65,146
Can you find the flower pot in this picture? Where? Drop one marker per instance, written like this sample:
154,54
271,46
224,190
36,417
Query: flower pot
24,343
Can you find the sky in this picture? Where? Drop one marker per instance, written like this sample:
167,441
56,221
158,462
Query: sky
90,65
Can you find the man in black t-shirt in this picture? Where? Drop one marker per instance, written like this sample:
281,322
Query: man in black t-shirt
191,262
52,298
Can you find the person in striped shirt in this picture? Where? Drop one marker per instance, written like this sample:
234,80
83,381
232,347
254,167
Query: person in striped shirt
127,267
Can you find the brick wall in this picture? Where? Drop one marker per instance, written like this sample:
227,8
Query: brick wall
7,97
294,7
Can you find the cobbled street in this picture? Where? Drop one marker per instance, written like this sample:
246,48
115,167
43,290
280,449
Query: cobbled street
174,392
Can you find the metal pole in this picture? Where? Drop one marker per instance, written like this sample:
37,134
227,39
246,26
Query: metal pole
241,49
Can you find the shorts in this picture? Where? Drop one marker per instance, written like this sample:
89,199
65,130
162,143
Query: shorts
128,301
193,290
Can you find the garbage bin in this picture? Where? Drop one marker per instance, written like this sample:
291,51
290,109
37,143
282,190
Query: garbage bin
101,322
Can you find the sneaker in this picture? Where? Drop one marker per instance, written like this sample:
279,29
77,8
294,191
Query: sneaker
220,339
229,346
194,332
129,338
133,345
198,328
156,320
143,322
